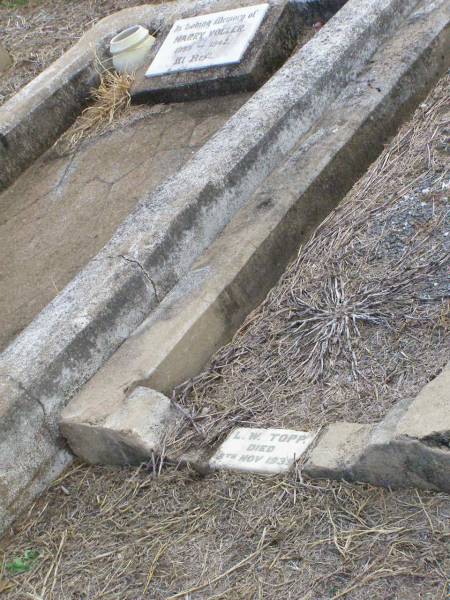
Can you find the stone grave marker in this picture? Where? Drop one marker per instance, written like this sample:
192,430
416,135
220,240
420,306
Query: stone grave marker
208,40
265,451
218,53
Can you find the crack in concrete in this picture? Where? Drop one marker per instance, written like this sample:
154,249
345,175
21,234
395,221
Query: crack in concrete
99,179
146,275
56,188
111,183
38,401
53,189
124,175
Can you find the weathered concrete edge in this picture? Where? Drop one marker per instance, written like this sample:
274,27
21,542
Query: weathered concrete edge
62,89
409,448
207,306
77,332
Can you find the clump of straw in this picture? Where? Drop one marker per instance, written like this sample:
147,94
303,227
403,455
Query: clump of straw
109,101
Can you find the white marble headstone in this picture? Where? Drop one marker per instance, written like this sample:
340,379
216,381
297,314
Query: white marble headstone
208,40
261,450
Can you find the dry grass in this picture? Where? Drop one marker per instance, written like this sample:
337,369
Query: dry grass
110,534
148,533
108,103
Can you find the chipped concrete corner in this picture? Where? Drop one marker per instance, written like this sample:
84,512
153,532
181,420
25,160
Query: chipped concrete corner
125,433
410,447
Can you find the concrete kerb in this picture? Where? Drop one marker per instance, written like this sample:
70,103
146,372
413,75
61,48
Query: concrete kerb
35,117
84,325
205,308
25,449
410,447
5,60
131,432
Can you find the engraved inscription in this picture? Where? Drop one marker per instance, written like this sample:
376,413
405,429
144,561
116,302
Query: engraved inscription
261,450
208,40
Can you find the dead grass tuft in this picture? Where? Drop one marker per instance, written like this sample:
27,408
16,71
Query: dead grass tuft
38,32
110,100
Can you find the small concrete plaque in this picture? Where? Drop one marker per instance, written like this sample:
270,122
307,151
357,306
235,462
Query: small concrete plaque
265,451
218,53
208,40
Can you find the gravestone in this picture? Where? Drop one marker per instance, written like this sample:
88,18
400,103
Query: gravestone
225,52
265,451
208,40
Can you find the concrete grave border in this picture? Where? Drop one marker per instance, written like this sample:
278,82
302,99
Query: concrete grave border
70,340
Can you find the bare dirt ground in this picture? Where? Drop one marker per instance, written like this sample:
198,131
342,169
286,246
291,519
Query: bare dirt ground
359,320
37,32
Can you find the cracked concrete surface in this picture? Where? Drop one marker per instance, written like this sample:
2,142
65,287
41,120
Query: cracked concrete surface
146,275
63,209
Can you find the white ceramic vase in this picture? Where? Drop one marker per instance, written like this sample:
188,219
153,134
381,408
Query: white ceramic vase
130,48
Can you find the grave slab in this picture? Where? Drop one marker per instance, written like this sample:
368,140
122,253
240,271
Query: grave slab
264,451
218,53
